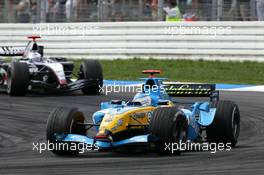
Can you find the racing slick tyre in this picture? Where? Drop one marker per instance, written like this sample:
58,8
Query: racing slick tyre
18,79
64,121
226,124
91,70
41,50
171,127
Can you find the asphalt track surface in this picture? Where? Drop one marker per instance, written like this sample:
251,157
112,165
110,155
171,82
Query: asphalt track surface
23,121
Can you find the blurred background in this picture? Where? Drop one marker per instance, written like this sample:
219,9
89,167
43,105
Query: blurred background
35,11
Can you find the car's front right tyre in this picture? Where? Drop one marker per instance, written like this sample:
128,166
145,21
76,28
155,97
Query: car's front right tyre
64,121
17,79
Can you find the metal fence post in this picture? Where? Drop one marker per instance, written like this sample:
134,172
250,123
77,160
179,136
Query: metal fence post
38,13
43,6
71,11
99,12
214,10
160,10
6,11
253,10
140,8
219,10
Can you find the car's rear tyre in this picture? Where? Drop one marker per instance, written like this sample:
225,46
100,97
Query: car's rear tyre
64,121
170,125
91,70
226,124
18,79
41,50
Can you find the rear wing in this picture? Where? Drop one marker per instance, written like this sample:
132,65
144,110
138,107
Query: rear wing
191,90
11,51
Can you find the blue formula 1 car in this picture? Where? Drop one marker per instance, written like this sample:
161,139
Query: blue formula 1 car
153,118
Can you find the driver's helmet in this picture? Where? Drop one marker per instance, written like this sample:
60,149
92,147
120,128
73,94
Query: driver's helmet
35,47
34,56
144,100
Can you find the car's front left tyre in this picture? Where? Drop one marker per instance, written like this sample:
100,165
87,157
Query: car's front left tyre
170,125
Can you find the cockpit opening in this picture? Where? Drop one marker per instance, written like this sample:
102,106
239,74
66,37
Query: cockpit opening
149,84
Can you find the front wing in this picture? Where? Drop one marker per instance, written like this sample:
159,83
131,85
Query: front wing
141,139
71,87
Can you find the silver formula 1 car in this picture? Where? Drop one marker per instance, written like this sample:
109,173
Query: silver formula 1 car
34,72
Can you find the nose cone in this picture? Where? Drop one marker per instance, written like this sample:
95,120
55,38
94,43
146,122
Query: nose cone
104,136
112,123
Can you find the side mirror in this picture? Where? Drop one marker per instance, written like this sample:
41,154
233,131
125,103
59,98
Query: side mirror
116,102
214,96
143,88
163,102
204,107
104,105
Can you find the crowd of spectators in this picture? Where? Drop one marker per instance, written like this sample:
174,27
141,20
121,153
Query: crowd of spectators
126,10
57,10
71,10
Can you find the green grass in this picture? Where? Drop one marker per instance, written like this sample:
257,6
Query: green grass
185,70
